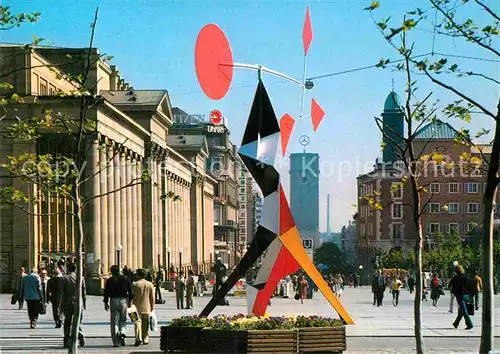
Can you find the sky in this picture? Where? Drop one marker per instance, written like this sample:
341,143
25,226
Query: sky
153,42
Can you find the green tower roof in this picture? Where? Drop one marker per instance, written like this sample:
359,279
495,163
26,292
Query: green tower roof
437,130
392,102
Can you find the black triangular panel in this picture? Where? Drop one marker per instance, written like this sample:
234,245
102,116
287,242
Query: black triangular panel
266,176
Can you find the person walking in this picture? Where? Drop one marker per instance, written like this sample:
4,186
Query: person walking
180,287
68,301
220,270
378,288
44,280
411,284
144,301
190,287
339,285
396,286
202,280
302,287
158,280
53,290
476,287
31,291
18,287
436,288
461,292
117,298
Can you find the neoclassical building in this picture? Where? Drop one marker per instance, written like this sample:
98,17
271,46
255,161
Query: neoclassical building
139,225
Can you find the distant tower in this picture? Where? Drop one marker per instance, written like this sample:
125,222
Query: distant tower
393,120
304,194
328,215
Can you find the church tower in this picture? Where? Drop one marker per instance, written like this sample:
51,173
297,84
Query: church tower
393,121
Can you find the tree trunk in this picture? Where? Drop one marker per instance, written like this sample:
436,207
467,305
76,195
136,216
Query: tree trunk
73,348
417,305
487,244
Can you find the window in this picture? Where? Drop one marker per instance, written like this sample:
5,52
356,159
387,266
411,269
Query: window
52,90
472,187
434,188
397,211
215,163
397,191
370,229
453,227
434,227
397,231
36,80
453,187
472,208
453,208
217,211
43,87
434,208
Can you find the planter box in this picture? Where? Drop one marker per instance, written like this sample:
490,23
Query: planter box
180,339
322,339
206,340
272,341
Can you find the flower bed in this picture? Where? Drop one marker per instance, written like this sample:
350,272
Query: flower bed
247,334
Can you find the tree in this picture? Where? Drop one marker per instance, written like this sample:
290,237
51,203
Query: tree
481,38
329,254
68,173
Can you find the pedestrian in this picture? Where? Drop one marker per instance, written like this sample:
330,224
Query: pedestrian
158,280
396,288
411,283
339,285
202,280
68,302
190,287
117,298
436,288
18,287
220,270
44,280
31,290
461,292
452,296
476,287
180,287
302,288
144,301
53,291
378,288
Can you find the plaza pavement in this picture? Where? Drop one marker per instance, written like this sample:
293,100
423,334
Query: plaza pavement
386,329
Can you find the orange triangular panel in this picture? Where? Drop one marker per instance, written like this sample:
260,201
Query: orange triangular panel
286,219
292,241
307,32
317,114
286,127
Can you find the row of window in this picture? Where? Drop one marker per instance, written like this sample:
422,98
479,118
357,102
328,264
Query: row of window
436,188
43,87
452,208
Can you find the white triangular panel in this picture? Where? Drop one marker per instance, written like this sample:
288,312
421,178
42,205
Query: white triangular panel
267,265
251,296
270,213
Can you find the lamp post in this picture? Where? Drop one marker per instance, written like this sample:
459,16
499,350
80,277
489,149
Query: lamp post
168,262
118,253
180,259
360,274
229,259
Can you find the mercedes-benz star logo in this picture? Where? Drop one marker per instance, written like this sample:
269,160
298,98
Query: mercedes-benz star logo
304,140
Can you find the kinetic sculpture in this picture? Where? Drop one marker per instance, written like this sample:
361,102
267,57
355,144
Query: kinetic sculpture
276,232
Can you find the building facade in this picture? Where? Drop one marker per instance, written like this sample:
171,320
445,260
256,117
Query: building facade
304,197
257,204
453,196
135,224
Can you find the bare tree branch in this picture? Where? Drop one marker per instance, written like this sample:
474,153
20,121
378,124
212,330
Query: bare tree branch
490,11
130,184
36,214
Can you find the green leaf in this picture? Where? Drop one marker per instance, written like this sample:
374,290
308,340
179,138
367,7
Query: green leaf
374,5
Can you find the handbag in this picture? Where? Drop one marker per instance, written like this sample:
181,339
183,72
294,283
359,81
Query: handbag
13,299
153,323
133,314
42,310
470,308
297,297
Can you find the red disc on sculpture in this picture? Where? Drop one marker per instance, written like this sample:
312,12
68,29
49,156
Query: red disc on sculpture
214,62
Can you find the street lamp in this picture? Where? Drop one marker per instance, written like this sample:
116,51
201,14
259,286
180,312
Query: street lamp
180,258
360,274
118,253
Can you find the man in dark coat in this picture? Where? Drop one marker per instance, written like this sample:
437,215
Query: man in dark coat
378,288
68,301
220,272
53,290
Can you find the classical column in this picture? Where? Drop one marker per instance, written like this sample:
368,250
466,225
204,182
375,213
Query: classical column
140,231
111,208
124,205
154,201
166,219
117,205
148,219
135,217
103,256
95,207
129,203
170,218
159,203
